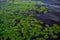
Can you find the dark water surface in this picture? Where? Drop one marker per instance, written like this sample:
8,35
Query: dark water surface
51,17
53,5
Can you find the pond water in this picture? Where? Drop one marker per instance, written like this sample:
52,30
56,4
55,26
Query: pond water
49,18
53,5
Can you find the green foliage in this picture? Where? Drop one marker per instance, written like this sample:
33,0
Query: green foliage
43,9
18,26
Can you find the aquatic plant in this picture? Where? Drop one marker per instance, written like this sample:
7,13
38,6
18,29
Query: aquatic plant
15,24
27,27
43,9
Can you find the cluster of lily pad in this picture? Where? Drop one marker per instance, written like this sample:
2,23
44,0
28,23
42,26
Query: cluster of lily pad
15,24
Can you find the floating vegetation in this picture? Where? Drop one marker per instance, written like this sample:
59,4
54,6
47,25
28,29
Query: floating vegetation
15,24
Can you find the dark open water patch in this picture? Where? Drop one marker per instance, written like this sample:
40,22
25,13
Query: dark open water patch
58,36
49,18
54,15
